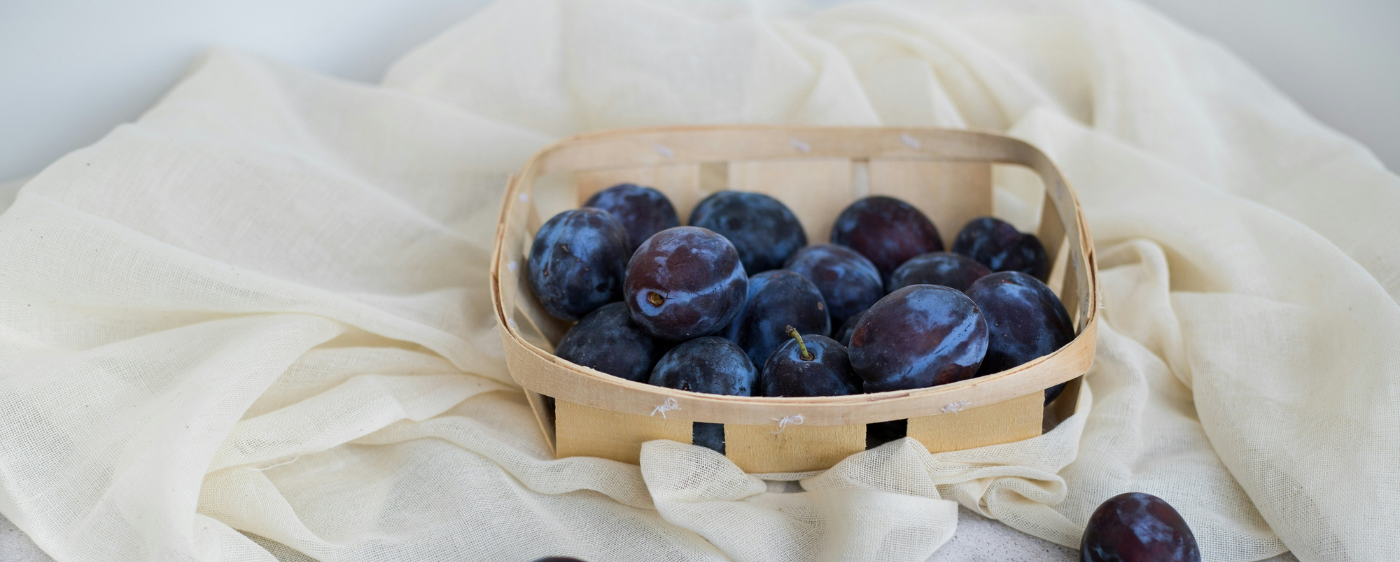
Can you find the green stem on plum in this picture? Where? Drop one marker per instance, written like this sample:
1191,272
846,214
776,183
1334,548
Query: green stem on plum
806,355
655,299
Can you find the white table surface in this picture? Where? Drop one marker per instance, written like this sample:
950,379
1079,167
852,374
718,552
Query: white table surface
977,540
74,69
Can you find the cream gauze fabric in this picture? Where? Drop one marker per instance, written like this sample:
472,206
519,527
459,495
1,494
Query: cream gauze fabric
262,309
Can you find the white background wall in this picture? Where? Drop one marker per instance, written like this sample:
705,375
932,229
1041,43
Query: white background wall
70,70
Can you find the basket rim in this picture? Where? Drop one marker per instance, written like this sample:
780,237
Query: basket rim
1068,362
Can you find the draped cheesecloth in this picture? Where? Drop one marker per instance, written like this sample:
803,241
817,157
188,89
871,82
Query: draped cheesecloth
262,309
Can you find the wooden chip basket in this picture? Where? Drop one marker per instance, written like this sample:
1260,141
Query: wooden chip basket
816,171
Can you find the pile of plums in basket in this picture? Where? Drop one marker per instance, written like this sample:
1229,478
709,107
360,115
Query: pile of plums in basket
738,303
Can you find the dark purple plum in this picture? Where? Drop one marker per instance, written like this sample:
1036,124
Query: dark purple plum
685,282
777,299
849,283
886,231
843,335
1137,527
712,365
810,365
1025,320
764,230
577,263
997,244
917,337
608,340
938,268
643,211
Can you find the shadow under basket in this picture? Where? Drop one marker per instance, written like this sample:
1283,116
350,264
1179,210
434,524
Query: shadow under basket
817,172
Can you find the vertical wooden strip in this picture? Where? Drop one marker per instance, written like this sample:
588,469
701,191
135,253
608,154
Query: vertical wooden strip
510,274
714,176
1052,235
539,404
1052,229
530,333
816,190
1071,291
1081,292
1003,422
758,449
548,326
583,431
532,226
532,223
1059,263
1061,240
860,179
514,236
950,193
1064,405
1078,300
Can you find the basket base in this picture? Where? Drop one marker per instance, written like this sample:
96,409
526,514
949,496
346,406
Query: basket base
761,449
583,431
1004,422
